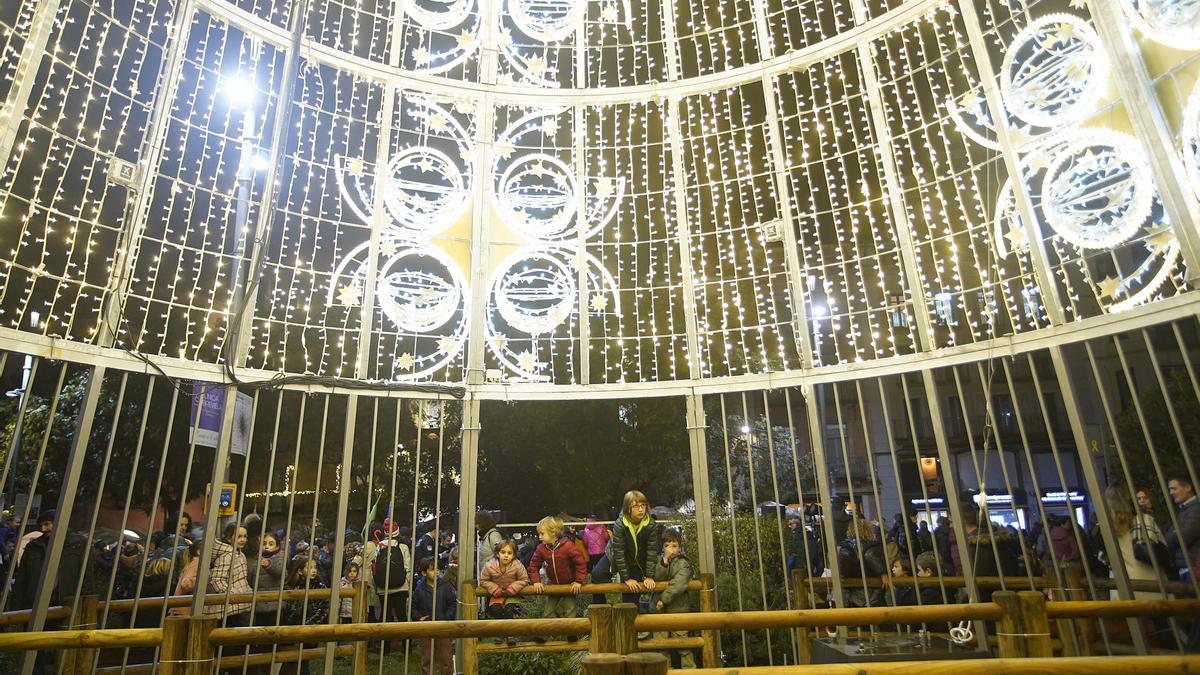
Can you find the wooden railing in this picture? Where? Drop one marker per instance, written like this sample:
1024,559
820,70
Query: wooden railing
188,644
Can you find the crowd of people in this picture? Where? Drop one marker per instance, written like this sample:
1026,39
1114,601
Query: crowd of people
1153,546
414,576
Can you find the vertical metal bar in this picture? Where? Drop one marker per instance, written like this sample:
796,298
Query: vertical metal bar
937,556
731,509
816,436
1151,128
779,515
138,210
951,482
682,232
579,118
1091,474
697,427
343,507
25,75
808,553
749,438
1170,405
881,516
469,486
14,445
1158,470
1012,163
66,503
895,200
33,479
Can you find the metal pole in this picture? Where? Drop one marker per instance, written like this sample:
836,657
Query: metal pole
701,491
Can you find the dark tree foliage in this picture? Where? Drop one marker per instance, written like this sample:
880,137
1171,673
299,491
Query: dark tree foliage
580,457
1161,432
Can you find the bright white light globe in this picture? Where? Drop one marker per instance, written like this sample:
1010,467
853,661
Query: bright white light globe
1098,190
1054,71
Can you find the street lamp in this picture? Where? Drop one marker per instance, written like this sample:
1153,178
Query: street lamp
241,94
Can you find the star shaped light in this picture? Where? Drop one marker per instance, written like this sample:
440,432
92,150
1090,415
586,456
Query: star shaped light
528,362
499,343
599,302
388,247
1109,286
405,361
350,295
1160,238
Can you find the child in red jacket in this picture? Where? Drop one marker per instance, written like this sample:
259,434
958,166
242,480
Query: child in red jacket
564,565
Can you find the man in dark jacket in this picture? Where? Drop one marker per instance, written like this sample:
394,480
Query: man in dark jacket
1187,538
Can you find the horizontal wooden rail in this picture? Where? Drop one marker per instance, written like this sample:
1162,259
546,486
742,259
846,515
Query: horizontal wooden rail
1097,665
236,661
126,605
1120,609
80,639
355,632
565,589
1012,583
857,616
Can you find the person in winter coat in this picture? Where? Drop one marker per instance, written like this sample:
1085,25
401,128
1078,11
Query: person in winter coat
671,572
434,600
564,565
635,545
228,575
267,575
489,538
393,573
503,578
187,577
595,539
1131,527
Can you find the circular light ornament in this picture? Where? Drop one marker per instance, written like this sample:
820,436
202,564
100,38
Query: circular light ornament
537,196
1175,23
1054,71
534,292
420,288
426,190
1098,190
438,15
1191,138
546,20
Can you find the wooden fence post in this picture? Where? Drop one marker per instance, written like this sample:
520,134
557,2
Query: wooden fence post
1075,591
361,611
1034,623
600,640
803,634
468,610
649,663
1008,628
174,645
199,656
624,635
708,603
603,663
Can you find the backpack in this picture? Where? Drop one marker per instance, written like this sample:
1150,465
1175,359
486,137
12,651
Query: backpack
390,572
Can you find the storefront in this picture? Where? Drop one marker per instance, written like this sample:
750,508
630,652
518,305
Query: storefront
1003,508
1066,502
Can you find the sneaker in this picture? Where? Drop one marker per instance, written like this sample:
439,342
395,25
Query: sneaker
643,636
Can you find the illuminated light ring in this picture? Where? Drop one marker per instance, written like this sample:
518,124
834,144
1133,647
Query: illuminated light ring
414,309
547,21
1191,138
426,204
357,257
599,277
354,194
454,14
1175,23
541,204
1170,258
419,300
1022,140
1098,190
534,291
1061,72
